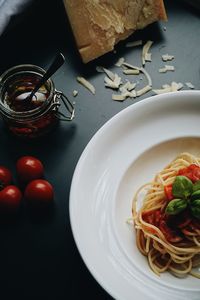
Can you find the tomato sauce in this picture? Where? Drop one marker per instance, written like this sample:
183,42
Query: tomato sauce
192,172
28,117
16,94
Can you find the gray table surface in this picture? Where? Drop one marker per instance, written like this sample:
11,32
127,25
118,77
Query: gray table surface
38,258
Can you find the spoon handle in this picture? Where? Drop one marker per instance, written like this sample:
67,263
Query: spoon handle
56,64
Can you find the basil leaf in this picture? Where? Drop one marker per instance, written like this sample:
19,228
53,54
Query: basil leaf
196,186
175,206
195,195
195,208
182,187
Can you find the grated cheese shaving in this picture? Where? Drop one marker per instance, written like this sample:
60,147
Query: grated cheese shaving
162,91
166,68
128,89
109,83
148,57
131,72
128,86
176,86
125,64
173,87
141,70
117,80
123,96
113,84
134,44
190,85
132,94
167,57
164,86
147,76
144,90
75,93
110,74
86,84
145,51
120,62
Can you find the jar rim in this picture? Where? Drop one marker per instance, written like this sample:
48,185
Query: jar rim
25,69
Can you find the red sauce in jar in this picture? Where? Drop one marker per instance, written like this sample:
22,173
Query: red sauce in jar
17,93
28,117
31,117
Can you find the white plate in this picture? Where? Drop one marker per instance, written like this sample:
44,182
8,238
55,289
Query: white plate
124,154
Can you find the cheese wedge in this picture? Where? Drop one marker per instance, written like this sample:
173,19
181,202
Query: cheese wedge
98,25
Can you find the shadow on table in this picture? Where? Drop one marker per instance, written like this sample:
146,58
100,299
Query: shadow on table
47,145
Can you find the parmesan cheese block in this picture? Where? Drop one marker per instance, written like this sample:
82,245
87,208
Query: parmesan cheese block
100,24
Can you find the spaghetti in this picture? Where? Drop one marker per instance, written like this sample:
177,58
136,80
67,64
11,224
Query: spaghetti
168,223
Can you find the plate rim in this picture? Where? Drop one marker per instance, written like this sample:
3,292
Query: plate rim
95,274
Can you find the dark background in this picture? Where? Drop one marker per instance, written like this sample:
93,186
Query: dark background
38,257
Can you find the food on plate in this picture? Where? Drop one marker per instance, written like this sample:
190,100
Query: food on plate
5,176
39,193
167,223
29,168
10,199
99,25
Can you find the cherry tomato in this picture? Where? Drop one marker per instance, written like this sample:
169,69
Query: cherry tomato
168,192
39,192
5,177
29,168
10,199
148,216
192,172
152,217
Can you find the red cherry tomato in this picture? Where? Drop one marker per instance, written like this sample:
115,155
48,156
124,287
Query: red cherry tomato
168,191
29,168
39,192
5,177
192,172
10,199
152,217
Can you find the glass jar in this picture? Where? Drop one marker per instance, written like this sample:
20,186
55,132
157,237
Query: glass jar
34,117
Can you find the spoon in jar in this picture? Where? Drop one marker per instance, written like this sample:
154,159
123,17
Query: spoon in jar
56,64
